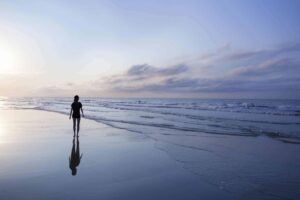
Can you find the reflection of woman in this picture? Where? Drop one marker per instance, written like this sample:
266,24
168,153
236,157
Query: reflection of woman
75,109
74,159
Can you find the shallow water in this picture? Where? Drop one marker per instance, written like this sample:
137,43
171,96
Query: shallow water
275,118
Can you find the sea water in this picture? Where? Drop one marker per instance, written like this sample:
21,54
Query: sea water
244,117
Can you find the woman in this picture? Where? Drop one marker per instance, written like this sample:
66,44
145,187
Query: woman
75,109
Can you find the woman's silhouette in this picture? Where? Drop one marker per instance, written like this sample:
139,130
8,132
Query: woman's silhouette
76,106
74,159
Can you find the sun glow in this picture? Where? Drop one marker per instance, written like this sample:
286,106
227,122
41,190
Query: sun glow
9,61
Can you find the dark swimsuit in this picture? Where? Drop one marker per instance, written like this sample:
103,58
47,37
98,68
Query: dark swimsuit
76,109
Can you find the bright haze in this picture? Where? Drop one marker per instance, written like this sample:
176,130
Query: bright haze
157,48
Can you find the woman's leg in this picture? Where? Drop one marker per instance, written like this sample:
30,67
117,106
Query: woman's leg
78,125
74,125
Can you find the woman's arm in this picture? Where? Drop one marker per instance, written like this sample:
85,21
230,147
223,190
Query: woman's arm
70,113
82,112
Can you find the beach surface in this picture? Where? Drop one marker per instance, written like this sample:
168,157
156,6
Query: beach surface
118,164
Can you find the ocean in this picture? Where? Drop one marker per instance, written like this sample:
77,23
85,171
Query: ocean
241,117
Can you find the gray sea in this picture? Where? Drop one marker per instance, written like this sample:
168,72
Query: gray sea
246,117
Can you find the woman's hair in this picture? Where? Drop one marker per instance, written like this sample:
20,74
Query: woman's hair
76,98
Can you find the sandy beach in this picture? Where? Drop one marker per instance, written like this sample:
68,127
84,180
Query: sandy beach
118,164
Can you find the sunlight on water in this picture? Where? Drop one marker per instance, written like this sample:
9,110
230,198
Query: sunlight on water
2,101
3,130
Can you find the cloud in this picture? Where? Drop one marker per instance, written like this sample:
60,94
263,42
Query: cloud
274,70
142,77
144,69
147,70
227,72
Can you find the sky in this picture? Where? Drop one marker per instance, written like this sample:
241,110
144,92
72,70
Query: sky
155,48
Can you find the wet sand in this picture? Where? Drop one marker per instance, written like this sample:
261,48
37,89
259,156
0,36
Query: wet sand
35,147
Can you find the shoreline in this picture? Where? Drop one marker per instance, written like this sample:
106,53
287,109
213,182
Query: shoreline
282,138
253,117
